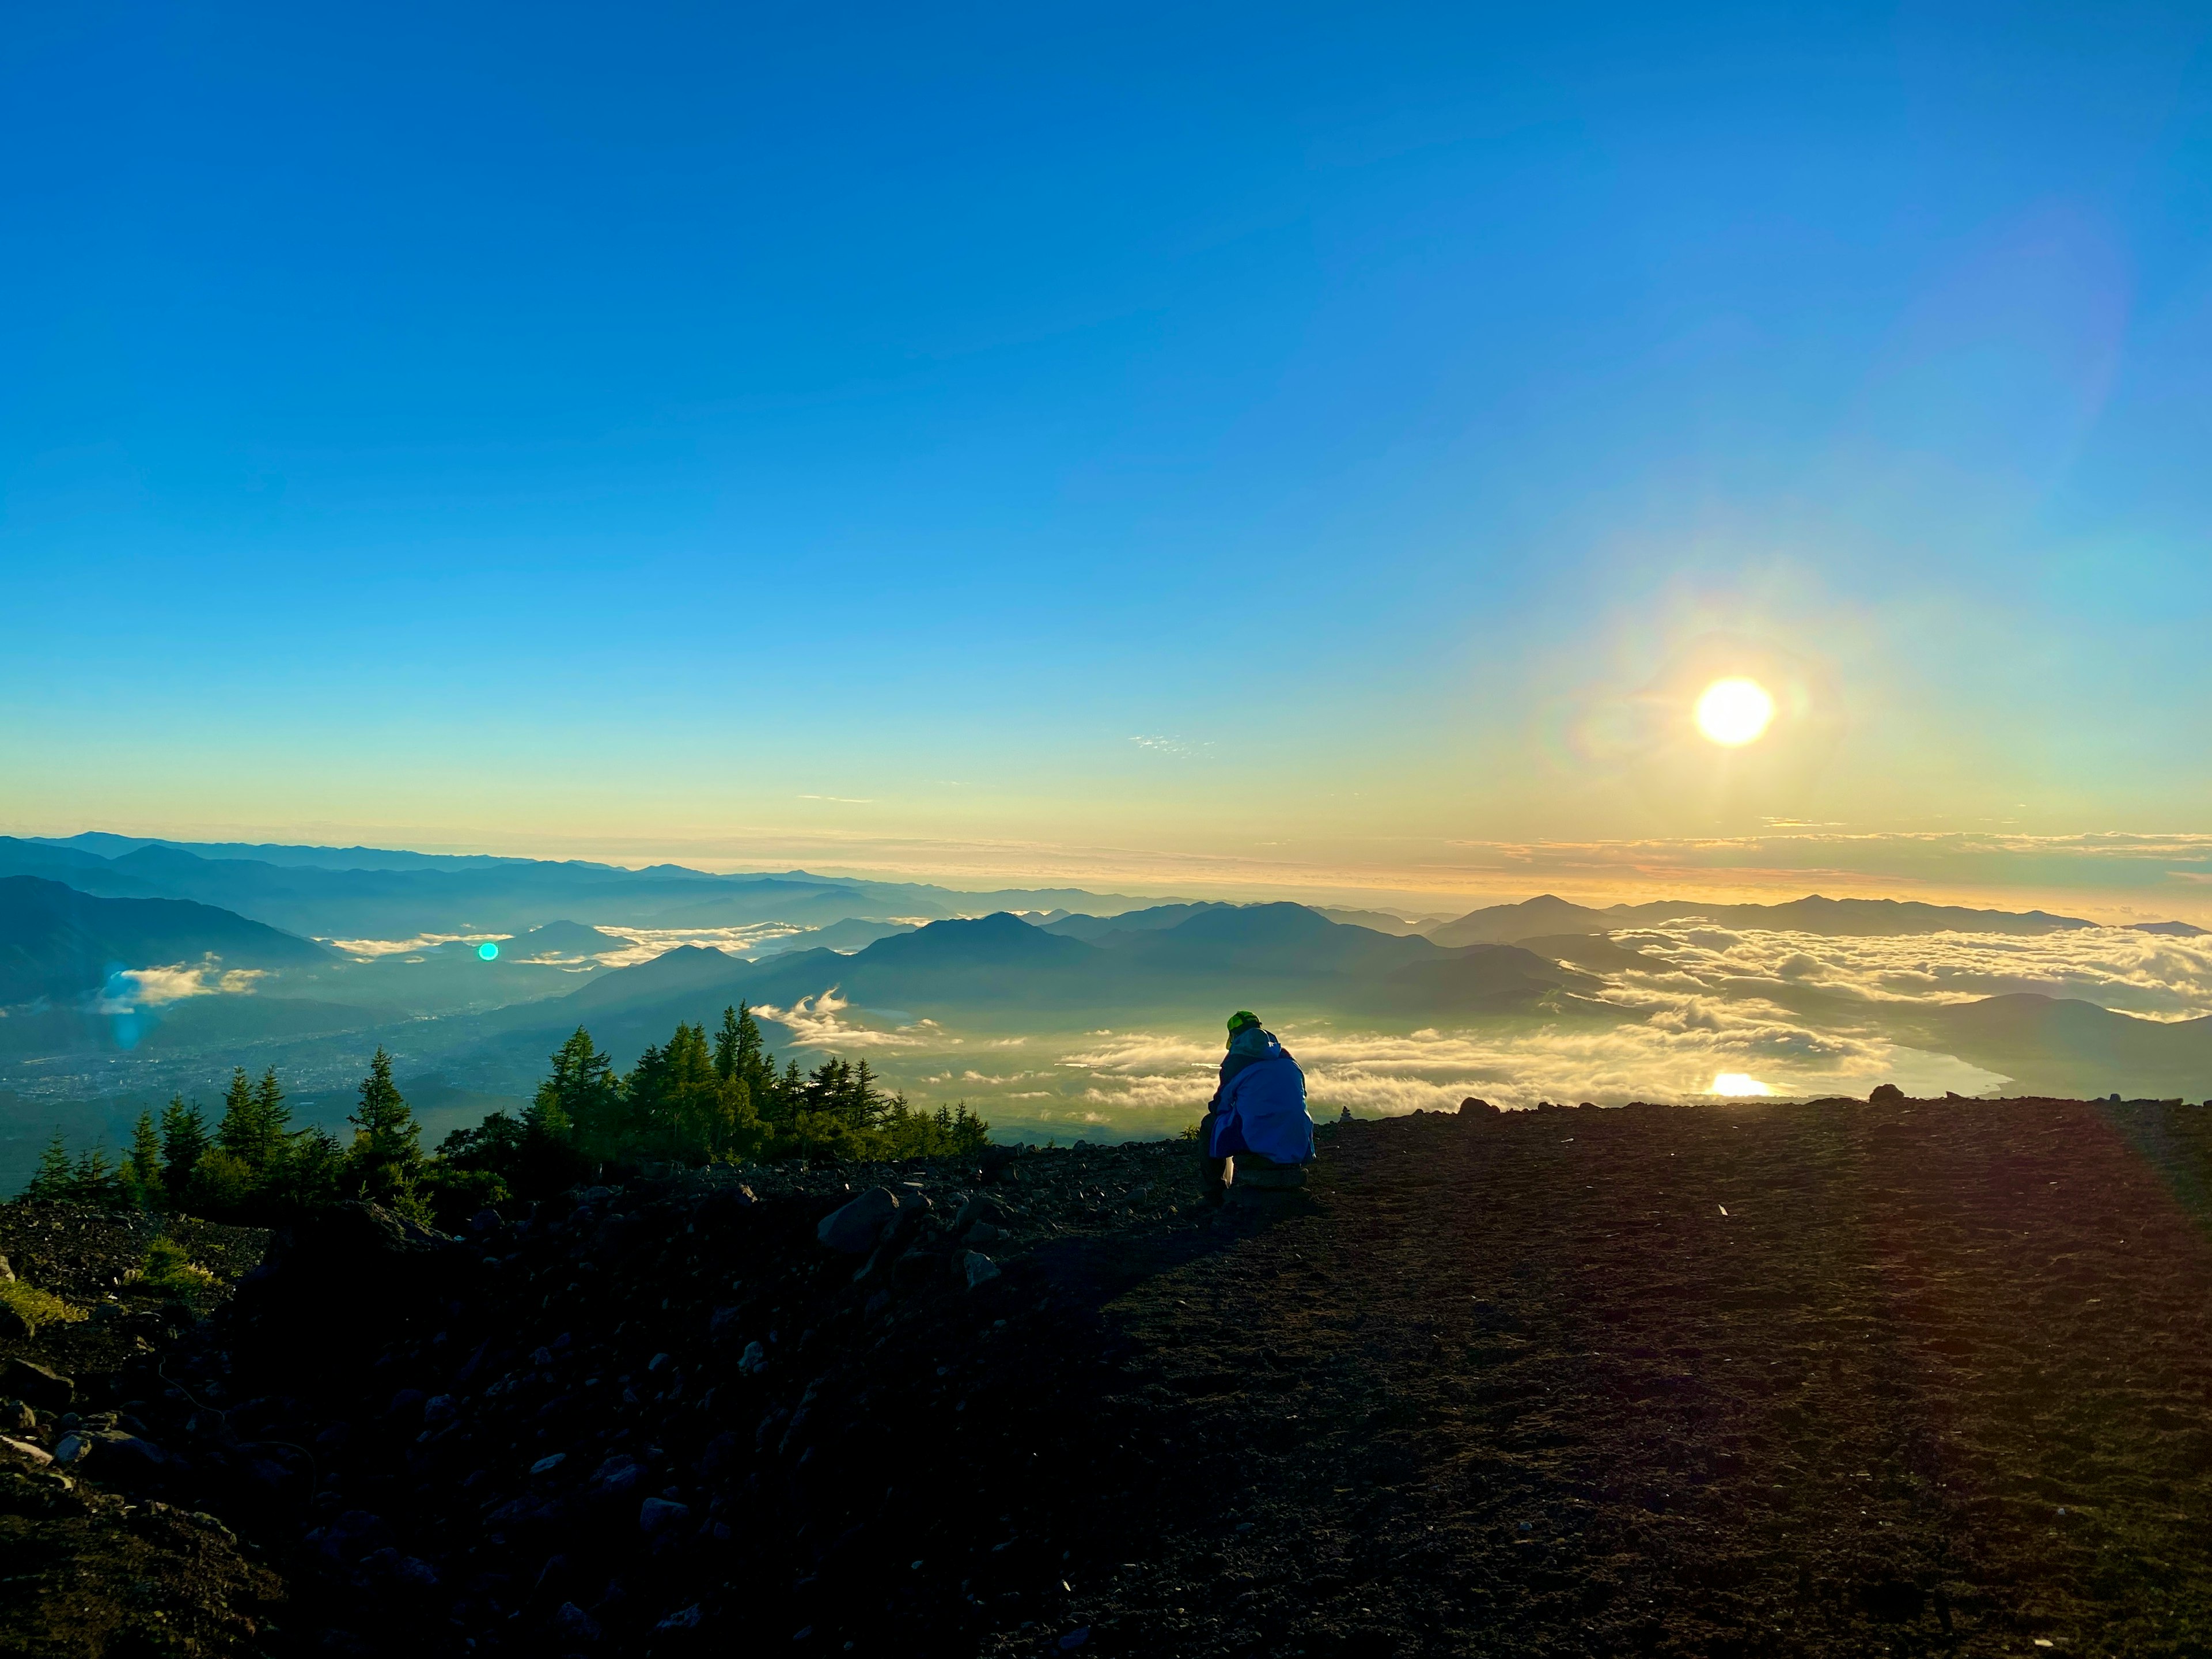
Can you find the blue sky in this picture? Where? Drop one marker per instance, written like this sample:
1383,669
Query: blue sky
1284,447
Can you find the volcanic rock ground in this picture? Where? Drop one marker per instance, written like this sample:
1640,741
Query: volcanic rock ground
1930,1376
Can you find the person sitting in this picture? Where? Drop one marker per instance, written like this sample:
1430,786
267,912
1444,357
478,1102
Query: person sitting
1257,1115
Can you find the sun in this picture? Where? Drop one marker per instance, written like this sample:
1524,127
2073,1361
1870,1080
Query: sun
1734,711
1738,1086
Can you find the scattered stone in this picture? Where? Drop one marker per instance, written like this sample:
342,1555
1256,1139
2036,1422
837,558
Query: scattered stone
45,1390
853,1229
658,1514
72,1448
7,1273
617,1477
13,1327
977,1210
754,1359
37,1454
978,1268
124,1460
547,1464
575,1625
682,1618
915,1268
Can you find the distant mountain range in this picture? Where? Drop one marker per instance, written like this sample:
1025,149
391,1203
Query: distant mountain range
73,913
362,892
1835,918
59,944
366,893
1001,972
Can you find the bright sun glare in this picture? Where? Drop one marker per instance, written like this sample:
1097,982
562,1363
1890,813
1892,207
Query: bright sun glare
1738,1084
1734,712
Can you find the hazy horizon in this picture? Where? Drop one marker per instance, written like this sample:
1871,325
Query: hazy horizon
2108,877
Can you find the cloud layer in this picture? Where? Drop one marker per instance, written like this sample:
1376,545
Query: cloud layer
1718,1011
129,989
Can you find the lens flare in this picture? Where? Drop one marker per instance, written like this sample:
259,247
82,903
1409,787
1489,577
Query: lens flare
1737,1085
488,950
1734,711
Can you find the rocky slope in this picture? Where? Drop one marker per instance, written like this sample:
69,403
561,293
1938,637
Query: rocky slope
1921,1376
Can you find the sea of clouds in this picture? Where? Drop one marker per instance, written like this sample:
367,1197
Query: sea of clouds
1718,1012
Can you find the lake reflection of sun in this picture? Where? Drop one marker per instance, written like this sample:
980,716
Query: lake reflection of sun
1734,712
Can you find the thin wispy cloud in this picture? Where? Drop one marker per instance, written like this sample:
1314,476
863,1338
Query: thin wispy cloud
1180,748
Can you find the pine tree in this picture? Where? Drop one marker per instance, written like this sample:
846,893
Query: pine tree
269,1104
728,1043
579,1100
254,1120
49,1182
184,1138
385,1133
314,1169
141,1172
866,1101
92,1182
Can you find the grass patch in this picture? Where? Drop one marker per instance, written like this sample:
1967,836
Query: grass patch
167,1270
39,1307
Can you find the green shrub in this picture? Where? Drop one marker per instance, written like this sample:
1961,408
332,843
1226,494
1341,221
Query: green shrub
455,1193
220,1185
167,1270
39,1307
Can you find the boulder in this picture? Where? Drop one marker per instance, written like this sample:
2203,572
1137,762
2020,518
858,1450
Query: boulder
17,1417
978,1209
36,1455
617,1478
912,1210
575,1625
123,1461
1468,1108
977,1269
13,1327
7,1273
43,1390
853,1229
1886,1093
660,1515
915,1268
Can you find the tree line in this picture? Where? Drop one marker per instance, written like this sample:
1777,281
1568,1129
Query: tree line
689,1102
